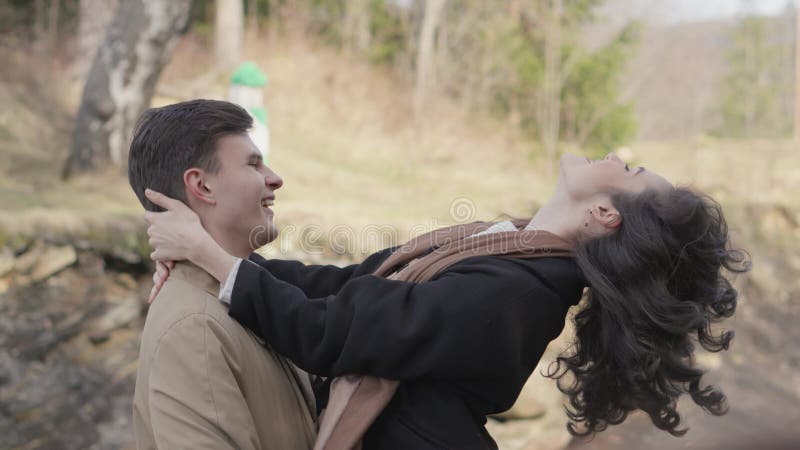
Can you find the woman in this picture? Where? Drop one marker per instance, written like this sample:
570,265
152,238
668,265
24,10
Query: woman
463,342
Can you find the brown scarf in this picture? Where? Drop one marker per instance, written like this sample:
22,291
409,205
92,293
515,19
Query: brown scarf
356,401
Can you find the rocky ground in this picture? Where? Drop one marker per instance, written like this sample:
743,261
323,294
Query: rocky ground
70,316
71,311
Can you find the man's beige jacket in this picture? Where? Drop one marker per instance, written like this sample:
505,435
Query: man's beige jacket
206,382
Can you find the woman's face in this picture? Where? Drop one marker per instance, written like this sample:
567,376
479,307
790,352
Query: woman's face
582,178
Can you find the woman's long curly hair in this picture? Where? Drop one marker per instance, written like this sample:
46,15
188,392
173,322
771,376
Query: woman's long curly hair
655,283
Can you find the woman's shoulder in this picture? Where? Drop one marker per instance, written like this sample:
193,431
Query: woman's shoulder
560,268
561,275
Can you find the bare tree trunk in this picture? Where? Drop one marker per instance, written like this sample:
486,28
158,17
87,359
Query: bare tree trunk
122,79
272,22
52,25
252,21
797,75
549,108
407,60
356,25
39,29
228,32
750,94
292,24
93,19
425,69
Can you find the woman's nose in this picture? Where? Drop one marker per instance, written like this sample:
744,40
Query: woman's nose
612,156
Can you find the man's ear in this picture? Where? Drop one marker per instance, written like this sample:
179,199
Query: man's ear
195,181
606,214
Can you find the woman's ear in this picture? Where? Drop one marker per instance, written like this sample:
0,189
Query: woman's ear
607,215
195,181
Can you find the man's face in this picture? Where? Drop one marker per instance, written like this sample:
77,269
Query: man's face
244,189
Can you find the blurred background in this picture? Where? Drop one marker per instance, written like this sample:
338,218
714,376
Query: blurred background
387,118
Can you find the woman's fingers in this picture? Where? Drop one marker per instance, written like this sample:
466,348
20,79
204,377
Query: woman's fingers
150,217
159,278
172,234
161,269
153,293
168,203
162,272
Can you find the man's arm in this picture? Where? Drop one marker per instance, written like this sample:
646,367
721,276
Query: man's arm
194,399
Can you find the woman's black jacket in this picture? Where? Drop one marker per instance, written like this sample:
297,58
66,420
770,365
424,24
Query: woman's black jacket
462,344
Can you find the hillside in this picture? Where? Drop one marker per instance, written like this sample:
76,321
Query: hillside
362,174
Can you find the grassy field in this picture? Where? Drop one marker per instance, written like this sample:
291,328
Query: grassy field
351,154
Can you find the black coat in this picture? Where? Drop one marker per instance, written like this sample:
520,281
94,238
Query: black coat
462,344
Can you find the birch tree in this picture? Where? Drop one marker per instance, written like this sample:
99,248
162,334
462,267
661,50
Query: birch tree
94,16
122,79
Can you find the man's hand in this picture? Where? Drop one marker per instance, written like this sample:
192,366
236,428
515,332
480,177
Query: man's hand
159,278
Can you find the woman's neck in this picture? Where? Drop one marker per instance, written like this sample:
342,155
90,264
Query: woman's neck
559,217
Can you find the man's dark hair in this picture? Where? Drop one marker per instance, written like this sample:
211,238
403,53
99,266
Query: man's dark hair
169,140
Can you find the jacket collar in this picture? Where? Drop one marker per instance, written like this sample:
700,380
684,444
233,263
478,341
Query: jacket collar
195,276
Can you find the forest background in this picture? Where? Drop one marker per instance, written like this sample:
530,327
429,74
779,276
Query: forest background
387,118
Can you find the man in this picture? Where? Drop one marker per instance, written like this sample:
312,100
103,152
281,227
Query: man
204,381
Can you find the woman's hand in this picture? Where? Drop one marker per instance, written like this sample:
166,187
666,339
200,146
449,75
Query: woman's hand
159,278
175,233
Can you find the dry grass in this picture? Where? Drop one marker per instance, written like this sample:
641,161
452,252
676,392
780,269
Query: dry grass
762,172
344,141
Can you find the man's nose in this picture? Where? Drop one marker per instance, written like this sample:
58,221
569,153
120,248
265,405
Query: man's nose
272,180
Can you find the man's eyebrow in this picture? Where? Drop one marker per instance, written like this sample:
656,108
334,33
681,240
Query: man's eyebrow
255,157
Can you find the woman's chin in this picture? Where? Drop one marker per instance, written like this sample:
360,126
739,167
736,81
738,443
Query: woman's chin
569,159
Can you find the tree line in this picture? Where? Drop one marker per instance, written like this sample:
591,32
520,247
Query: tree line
523,61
